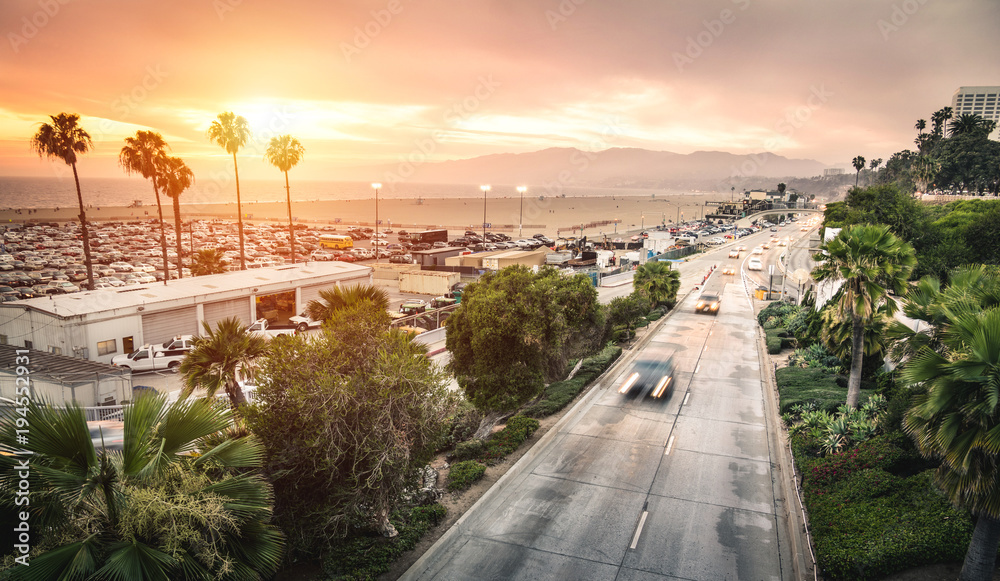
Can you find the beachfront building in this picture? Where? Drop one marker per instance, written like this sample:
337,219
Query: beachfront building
982,101
97,325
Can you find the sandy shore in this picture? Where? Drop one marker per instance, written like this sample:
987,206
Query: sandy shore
549,215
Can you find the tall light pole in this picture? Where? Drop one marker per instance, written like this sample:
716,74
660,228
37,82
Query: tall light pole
520,218
485,189
376,186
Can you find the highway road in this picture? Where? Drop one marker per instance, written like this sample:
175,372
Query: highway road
640,489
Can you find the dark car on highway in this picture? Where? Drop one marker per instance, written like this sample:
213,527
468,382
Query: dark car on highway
708,303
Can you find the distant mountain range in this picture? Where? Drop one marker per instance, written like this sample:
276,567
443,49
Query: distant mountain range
616,167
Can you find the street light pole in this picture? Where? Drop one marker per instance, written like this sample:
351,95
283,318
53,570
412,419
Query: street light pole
485,189
376,186
520,216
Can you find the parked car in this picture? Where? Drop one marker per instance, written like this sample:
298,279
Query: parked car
146,359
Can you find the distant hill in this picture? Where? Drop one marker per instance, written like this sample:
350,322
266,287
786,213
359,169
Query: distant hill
616,167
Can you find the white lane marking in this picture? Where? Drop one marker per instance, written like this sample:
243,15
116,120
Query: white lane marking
697,368
670,444
686,396
638,530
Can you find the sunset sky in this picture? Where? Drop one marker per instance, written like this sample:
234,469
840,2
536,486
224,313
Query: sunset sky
364,83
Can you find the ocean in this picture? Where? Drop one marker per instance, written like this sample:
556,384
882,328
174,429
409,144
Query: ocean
54,192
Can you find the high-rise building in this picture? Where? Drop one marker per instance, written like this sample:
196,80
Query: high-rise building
982,101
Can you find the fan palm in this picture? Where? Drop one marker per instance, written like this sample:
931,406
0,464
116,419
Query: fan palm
658,281
284,152
870,260
208,261
175,176
152,510
220,359
859,164
231,132
143,155
336,298
957,421
65,139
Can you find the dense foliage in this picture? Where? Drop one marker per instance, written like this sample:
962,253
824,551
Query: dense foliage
516,329
172,504
347,417
559,393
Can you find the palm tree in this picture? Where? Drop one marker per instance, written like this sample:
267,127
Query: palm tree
869,260
284,153
658,281
231,132
335,298
925,170
152,510
970,123
208,261
221,358
920,126
781,188
64,139
174,177
956,421
873,164
859,164
142,154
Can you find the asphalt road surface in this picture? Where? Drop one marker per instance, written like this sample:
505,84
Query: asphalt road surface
631,488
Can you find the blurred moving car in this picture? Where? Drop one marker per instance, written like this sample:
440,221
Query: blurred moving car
728,270
755,264
656,375
708,303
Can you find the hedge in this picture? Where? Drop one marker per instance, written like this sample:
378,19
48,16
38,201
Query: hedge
800,385
559,393
500,444
463,474
868,521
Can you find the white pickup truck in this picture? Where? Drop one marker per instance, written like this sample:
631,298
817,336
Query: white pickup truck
303,322
146,358
269,331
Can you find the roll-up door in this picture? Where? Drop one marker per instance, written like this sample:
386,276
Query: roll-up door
311,293
158,327
239,308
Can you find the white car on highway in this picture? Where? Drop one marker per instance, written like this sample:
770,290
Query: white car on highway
755,264
758,250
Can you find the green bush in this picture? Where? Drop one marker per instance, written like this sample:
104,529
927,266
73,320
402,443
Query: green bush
461,425
776,314
500,444
559,393
463,474
366,556
773,345
469,449
798,386
655,314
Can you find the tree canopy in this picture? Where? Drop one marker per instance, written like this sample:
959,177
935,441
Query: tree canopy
346,416
515,330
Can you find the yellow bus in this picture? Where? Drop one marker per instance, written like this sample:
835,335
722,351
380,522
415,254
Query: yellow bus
336,241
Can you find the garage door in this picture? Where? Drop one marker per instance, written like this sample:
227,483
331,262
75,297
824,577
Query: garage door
158,327
239,308
311,293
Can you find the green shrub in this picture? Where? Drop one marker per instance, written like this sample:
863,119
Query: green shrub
469,449
776,314
368,555
596,365
773,345
556,396
461,425
655,314
500,444
799,386
463,474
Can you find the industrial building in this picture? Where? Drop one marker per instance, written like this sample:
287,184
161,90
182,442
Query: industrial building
97,325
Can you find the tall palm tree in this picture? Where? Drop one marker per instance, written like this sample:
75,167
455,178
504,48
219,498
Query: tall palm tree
65,139
335,298
658,281
284,152
859,164
175,177
142,154
231,132
956,421
221,358
149,511
869,260
873,164
925,170
920,125
208,261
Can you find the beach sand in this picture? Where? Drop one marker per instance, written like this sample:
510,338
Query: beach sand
551,216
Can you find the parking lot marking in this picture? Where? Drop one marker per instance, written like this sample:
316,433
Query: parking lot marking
638,530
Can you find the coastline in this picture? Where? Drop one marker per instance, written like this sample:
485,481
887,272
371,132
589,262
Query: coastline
551,215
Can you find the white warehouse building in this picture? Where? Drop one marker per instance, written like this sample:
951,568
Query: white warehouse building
97,325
